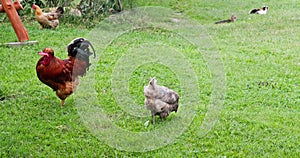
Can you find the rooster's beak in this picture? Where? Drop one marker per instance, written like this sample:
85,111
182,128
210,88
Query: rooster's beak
43,54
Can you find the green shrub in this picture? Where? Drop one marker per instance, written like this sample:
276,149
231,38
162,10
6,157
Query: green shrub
92,11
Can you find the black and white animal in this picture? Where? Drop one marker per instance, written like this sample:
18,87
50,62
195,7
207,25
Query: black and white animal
160,100
263,10
233,18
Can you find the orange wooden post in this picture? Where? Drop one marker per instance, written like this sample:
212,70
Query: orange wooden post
10,8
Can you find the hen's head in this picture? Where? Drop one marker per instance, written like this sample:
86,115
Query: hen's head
47,54
152,82
233,18
34,6
149,89
174,107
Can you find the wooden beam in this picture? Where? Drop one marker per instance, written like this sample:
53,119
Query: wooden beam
13,44
17,5
20,30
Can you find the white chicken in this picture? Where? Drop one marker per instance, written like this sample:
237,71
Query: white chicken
160,100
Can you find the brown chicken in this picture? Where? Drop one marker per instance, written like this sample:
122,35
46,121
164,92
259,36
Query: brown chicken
160,100
63,75
48,20
233,18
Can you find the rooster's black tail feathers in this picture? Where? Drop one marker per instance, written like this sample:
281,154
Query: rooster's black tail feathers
79,48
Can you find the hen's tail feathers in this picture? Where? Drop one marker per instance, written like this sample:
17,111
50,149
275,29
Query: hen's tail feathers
79,48
60,10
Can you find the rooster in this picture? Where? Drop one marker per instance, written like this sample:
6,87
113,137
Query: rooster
160,100
63,75
48,20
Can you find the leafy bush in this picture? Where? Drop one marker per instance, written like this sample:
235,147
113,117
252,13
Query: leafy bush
92,11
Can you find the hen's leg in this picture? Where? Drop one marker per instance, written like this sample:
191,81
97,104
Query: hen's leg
62,102
153,118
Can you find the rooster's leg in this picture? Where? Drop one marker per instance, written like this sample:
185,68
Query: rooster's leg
62,102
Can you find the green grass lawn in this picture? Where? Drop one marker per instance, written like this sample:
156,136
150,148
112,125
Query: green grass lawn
260,116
